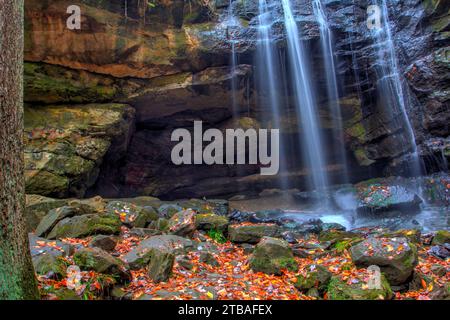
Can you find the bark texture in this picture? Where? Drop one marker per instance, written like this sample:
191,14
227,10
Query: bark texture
17,277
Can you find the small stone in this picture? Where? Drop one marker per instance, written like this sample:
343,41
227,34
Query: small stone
208,258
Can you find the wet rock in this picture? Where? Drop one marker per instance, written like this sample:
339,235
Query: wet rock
317,276
131,214
106,243
211,221
252,233
332,226
377,199
395,256
85,225
340,290
441,237
310,226
290,236
102,262
441,252
160,265
271,256
183,223
141,255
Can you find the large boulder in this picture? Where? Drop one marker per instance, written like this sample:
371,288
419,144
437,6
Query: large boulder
65,145
101,261
271,256
86,225
131,214
244,233
183,223
140,256
379,198
342,290
396,257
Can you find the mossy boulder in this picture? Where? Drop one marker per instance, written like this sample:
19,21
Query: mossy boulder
396,257
53,217
211,221
140,256
441,237
86,225
101,261
271,256
340,290
252,233
160,265
131,214
317,276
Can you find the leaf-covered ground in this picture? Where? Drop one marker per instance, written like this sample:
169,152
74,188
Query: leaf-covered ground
233,279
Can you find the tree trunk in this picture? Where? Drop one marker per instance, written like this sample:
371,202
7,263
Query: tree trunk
17,278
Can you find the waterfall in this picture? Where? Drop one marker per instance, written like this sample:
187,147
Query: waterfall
269,76
305,101
232,22
390,82
332,85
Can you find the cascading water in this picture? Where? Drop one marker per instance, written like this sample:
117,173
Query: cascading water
390,84
305,102
232,23
269,75
332,85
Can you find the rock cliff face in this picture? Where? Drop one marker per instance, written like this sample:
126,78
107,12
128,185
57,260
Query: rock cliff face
101,102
